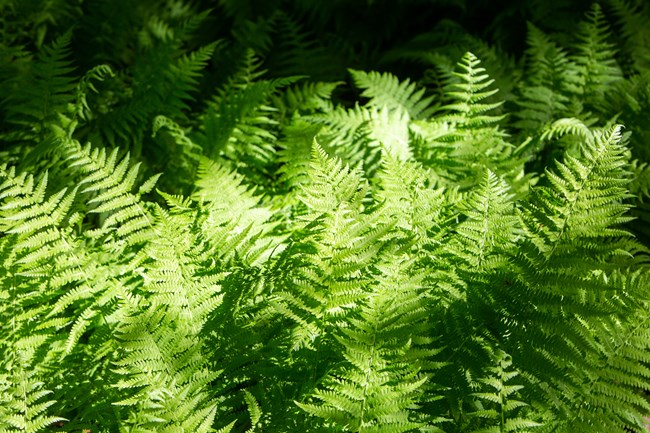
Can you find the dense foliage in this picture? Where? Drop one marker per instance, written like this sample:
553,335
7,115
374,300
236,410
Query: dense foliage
324,216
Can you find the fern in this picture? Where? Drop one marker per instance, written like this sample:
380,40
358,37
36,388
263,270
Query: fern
160,83
175,399
111,183
500,396
593,186
31,224
328,284
595,56
238,123
550,76
249,241
361,133
468,136
490,225
574,193
26,408
385,91
38,95
375,387
631,20
346,134
306,97
232,217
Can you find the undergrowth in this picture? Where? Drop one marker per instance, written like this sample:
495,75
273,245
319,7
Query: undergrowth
297,216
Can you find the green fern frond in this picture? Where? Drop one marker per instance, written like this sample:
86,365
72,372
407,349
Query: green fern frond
568,126
578,207
183,154
341,242
170,271
447,41
551,76
499,397
595,56
468,92
632,17
490,225
295,152
36,97
233,218
240,125
46,256
411,201
162,82
357,135
346,135
386,91
42,229
253,409
581,209
32,243
165,374
391,130
461,144
621,372
305,98
111,183
376,387
192,150
332,184
23,401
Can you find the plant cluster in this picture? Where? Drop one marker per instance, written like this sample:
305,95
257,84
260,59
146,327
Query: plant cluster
308,216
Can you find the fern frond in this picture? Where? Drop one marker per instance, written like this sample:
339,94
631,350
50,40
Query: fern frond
23,401
332,184
183,76
111,184
165,373
571,251
595,57
38,96
43,235
233,218
461,144
170,272
356,135
468,92
240,125
346,135
98,73
376,387
578,207
160,83
342,242
386,91
490,225
420,209
183,152
306,98
295,152
551,77
632,17
621,372
501,396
